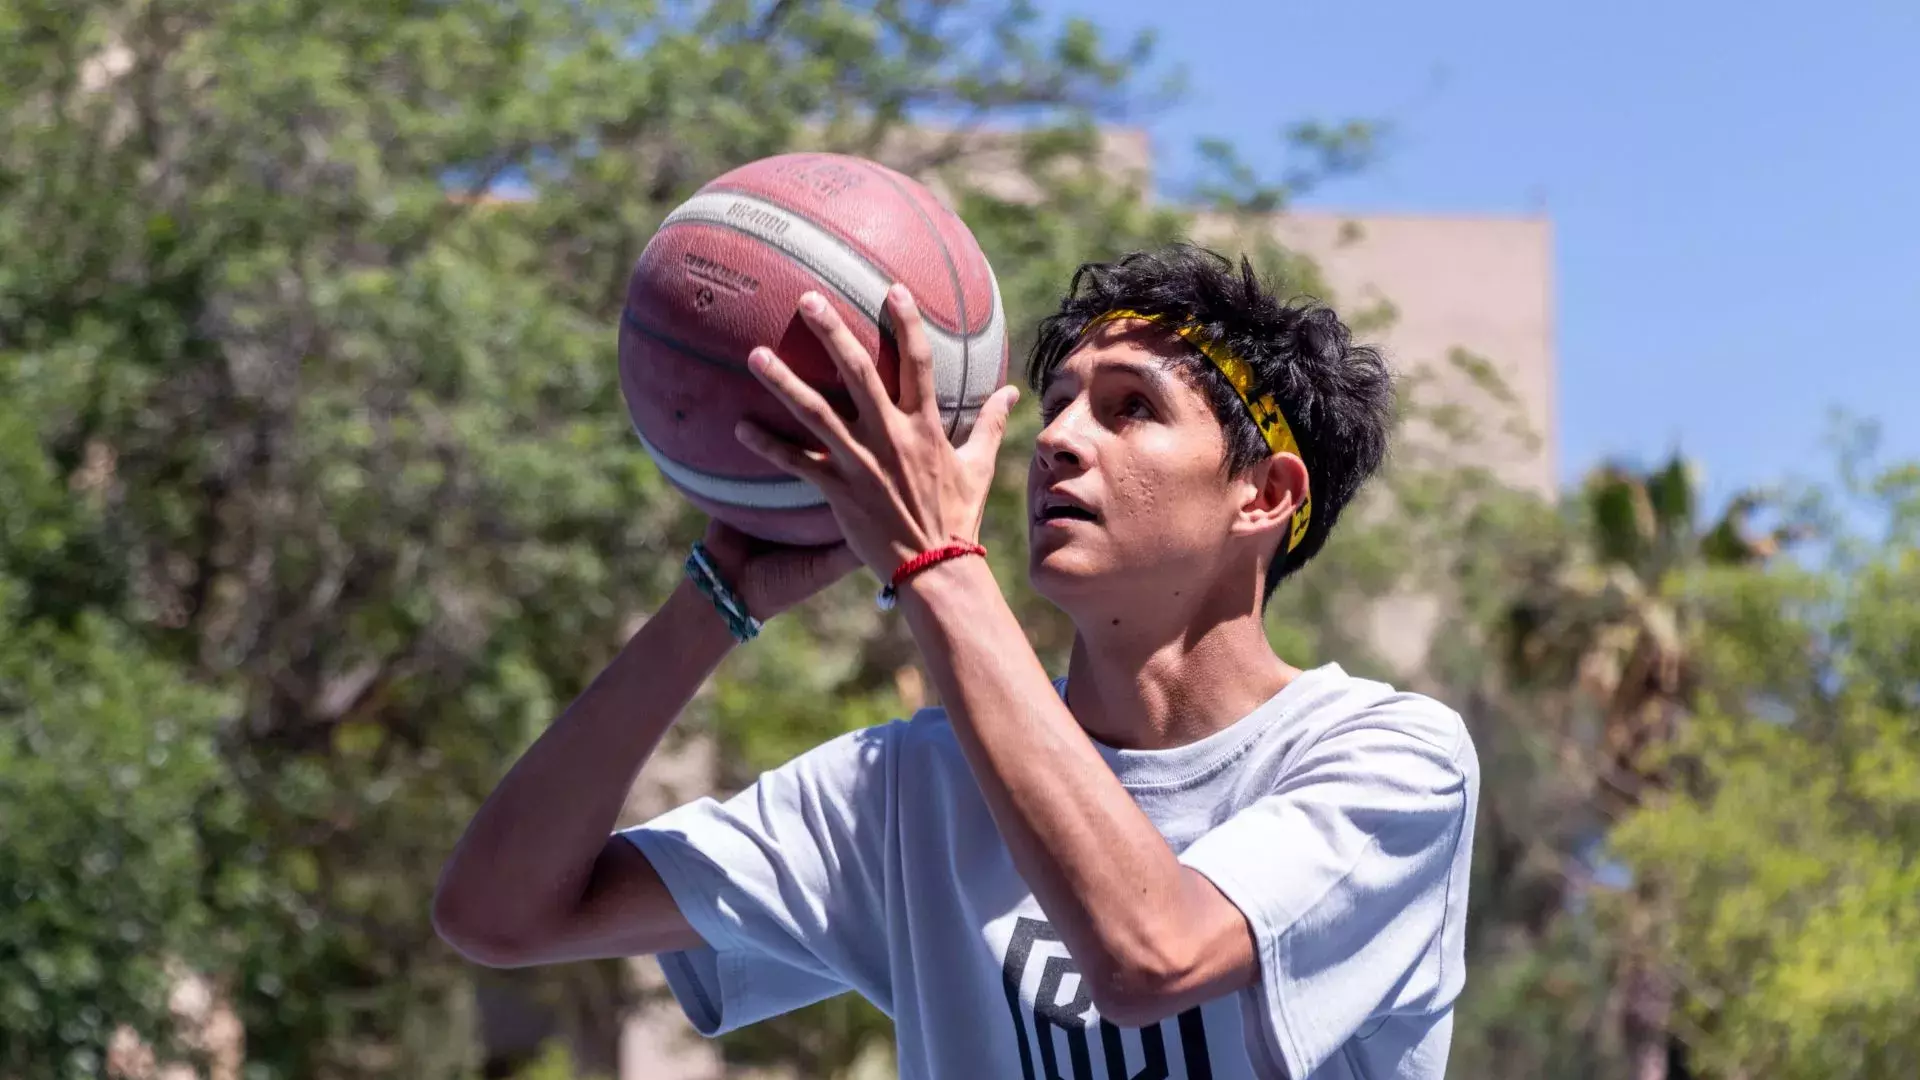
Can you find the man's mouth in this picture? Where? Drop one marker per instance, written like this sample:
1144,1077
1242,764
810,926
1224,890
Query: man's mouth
1059,513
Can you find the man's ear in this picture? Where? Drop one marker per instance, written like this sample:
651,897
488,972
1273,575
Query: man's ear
1274,489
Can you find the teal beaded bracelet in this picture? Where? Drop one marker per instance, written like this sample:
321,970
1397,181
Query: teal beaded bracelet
700,571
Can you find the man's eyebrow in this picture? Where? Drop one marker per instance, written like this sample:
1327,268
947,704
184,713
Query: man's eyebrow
1155,374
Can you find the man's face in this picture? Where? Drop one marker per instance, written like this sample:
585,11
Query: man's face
1127,488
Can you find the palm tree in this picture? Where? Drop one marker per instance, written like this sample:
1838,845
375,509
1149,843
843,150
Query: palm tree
1604,621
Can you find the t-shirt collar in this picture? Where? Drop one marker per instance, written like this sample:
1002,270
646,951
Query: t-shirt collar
1177,764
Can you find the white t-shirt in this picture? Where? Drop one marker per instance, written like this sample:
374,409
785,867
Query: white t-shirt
1338,817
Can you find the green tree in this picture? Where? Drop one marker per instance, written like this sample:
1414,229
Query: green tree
110,766
1791,862
1538,966
108,759
1608,627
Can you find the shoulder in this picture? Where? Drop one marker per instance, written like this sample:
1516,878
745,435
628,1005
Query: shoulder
879,747
1366,713
926,736
851,767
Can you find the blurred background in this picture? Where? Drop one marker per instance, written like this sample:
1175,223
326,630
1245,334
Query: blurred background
318,498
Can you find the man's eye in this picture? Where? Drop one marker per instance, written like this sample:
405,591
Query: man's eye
1137,406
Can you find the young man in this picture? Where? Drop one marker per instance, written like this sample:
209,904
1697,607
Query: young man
1186,859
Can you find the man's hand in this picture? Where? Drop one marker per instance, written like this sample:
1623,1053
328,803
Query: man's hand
896,485
770,578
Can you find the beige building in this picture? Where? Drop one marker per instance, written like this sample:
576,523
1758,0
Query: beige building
1478,286
1468,294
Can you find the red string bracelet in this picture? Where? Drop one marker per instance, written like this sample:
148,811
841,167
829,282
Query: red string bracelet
891,594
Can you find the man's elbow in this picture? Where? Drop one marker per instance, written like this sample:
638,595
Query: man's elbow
1140,994
478,935
1163,970
1136,1008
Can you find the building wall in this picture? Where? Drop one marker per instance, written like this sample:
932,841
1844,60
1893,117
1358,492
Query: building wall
1482,284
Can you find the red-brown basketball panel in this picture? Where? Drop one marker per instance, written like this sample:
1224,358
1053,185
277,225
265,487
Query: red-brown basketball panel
870,210
687,409
969,262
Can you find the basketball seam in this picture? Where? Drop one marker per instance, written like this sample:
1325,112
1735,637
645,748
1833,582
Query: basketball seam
868,257
953,278
669,467
633,323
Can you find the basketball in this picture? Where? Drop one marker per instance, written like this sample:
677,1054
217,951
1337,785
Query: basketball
725,273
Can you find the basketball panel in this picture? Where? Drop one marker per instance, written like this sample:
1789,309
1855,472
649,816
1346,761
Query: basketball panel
975,278
716,293
688,408
874,217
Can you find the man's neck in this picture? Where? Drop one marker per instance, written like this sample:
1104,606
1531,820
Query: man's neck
1152,692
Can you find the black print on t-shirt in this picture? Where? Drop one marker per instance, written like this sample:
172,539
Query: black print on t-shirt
1070,1016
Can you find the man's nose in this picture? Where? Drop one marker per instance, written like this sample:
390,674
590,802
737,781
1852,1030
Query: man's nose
1058,445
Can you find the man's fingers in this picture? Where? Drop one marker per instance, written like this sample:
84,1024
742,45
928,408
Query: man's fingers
917,391
856,366
803,401
916,351
809,465
991,427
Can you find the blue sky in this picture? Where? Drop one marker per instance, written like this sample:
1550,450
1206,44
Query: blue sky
1734,189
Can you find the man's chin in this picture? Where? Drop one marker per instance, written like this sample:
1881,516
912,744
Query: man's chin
1057,571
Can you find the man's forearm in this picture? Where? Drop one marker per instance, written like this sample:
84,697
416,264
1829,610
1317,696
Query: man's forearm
1101,871
529,852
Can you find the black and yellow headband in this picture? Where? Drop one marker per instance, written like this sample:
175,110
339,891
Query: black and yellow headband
1263,408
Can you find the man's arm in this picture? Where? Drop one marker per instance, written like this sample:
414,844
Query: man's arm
1152,936
538,877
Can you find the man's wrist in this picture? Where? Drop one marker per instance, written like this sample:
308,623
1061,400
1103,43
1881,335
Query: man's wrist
968,575
699,625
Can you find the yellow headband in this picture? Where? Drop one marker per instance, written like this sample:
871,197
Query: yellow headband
1264,409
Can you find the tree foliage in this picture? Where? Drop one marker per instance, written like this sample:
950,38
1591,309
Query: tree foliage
318,499
108,765
1794,859
1676,873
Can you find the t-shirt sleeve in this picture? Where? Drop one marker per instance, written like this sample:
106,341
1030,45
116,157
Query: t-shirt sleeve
1348,875
785,882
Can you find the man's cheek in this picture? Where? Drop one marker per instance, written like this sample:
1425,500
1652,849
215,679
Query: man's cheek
1136,496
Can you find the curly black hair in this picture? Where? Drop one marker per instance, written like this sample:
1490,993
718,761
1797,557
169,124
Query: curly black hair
1337,395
